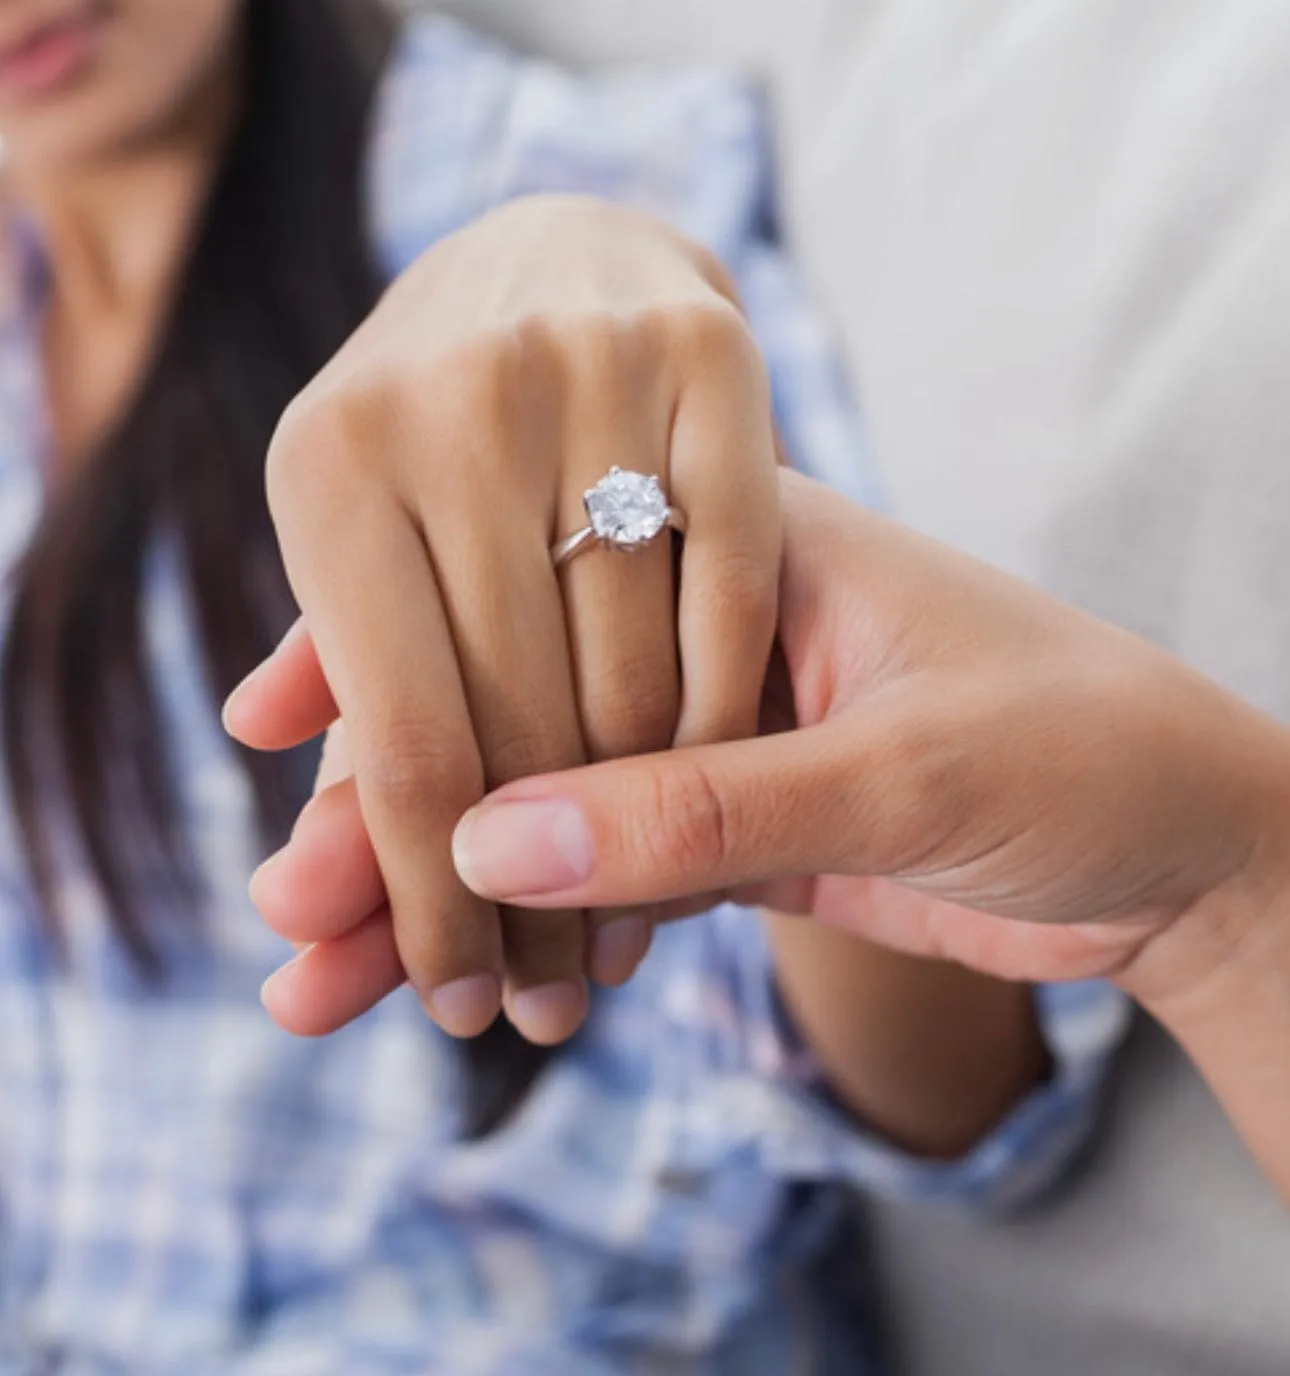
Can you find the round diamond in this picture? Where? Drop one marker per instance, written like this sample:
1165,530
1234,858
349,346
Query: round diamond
626,509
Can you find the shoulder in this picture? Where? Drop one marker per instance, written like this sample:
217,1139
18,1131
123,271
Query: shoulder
463,123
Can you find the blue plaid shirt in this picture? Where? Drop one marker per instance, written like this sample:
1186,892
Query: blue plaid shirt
186,1190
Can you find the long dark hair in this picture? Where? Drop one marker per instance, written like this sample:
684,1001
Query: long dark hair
278,273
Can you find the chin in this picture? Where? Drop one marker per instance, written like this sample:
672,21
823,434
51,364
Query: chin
75,130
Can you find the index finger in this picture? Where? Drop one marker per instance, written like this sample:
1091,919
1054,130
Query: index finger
362,576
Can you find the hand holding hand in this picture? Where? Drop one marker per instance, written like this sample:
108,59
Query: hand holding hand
418,486
955,731
955,734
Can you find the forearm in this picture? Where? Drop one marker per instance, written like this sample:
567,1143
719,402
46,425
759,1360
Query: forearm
930,1054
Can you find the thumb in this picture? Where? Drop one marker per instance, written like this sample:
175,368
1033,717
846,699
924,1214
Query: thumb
661,827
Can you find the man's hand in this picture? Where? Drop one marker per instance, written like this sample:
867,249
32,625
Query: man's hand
950,729
1076,802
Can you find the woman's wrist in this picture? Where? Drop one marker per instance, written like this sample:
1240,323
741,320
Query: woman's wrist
928,1053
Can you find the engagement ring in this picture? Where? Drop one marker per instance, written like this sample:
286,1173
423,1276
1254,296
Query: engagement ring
625,511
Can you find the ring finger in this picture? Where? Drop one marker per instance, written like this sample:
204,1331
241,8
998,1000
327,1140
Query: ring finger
620,608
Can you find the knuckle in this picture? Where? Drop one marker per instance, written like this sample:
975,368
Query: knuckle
412,771
328,431
519,753
683,829
713,332
924,794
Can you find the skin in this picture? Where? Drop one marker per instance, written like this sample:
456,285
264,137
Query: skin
437,458
984,775
417,485
112,164
1101,809
543,337
931,1054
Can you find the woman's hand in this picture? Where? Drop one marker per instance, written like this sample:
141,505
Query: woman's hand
417,487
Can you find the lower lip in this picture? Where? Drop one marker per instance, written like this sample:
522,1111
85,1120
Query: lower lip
49,61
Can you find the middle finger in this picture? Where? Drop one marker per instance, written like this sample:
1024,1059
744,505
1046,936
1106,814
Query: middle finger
507,621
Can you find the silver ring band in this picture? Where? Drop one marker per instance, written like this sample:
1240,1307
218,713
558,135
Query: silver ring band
586,538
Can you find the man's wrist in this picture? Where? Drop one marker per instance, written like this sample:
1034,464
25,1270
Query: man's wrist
1224,936
1219,982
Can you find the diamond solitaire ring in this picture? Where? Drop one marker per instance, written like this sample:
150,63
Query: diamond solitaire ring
625,511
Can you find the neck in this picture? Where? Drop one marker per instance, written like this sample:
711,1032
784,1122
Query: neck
114,230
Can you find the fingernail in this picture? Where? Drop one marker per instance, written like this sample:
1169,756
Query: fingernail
466,1007
262,875
548,1013
618,948
279,983
228,712
523,848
